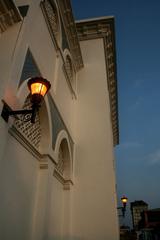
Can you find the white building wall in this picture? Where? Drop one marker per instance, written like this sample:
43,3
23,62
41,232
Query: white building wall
34,204
94,209
40,223
18,179
7,43
32,200
33,33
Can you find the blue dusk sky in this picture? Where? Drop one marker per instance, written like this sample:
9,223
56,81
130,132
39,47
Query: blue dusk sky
138,73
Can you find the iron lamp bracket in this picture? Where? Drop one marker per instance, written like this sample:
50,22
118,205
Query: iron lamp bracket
7,111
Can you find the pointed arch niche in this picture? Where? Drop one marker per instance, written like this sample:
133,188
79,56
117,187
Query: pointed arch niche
37,138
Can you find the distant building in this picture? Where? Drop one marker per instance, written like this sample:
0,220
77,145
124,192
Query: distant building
149,225
127,234
124,229
137,207
124,232
150,219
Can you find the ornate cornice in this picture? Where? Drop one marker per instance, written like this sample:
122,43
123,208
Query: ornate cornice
104,28
9,14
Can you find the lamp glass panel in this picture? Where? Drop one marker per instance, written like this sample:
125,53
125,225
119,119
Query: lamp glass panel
38,88
43,90
124,200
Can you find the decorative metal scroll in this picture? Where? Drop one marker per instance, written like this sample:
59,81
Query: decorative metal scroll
32,132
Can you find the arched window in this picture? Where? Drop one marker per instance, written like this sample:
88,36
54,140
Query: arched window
64,162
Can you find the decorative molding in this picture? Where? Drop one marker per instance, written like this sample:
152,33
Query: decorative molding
52,15
104,28
43,165
70,30
67,183
9,14
69,71
69,81
48,15
69,67
63,168
61,161
58,123
24,142
58,176
42,158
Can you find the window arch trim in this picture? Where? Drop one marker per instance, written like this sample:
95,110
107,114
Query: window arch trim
65,179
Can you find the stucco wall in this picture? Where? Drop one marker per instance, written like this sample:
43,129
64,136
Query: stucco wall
18,179
33,33
94,211
32,200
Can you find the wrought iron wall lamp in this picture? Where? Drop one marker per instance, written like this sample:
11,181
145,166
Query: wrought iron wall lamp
38,88
124,201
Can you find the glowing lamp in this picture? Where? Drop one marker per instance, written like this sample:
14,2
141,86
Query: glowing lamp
38,88
38,85
124,200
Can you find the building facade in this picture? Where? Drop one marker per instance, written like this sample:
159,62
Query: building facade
149,225
127,234
137,207
57,178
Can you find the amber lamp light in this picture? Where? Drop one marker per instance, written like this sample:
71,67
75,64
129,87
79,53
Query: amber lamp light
38,88
38,85
124,200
